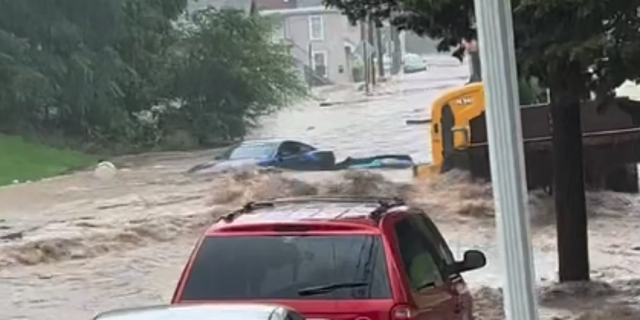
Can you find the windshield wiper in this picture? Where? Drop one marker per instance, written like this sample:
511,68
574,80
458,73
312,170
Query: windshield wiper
310,291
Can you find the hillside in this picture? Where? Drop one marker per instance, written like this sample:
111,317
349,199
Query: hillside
21,160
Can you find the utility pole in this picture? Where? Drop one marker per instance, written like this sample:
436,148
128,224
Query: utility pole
380,51
396,60
365,56
312,68
474,60
504,128
372,68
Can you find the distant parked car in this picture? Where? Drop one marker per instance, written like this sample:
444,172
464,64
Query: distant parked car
413,63
204,312
331,258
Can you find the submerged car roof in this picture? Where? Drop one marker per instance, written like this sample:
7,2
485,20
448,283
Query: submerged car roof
261,142
306,209
239,311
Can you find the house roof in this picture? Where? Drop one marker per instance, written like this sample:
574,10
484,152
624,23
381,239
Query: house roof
244,5
275,4
301,11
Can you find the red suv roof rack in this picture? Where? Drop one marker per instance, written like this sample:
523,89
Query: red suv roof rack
384,204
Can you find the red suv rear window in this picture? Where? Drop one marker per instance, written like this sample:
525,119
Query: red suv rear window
288,267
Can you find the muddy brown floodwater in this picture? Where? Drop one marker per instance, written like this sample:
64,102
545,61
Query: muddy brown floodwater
76,245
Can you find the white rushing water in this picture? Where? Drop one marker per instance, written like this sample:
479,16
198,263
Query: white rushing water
82,245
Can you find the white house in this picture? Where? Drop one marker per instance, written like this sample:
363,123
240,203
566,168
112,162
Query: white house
321,38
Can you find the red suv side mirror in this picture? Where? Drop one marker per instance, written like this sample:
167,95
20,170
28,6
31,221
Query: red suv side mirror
473,260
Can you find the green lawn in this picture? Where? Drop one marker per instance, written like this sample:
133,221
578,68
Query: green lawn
22,160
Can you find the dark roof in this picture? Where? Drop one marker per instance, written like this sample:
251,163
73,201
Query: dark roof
276,4
244,5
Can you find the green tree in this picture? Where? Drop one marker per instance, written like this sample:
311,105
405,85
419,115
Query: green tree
574,48
101,76
229,73
68,68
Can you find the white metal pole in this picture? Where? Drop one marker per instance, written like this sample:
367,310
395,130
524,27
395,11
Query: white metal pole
365,56
499,73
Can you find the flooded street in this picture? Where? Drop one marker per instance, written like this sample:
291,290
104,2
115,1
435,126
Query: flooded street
376,126
79,246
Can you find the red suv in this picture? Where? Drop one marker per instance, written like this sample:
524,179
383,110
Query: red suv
331,258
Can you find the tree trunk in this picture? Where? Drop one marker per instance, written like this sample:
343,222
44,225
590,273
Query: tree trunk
380,52
365,56
568,187
396,61
371,39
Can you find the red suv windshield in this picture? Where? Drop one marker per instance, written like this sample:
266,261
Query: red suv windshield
288,267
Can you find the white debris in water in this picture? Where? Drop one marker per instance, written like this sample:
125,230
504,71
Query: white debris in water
105,170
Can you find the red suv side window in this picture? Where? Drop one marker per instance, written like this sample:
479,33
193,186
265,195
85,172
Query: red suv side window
429,229
421,263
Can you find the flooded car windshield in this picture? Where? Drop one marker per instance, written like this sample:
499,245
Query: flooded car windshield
276,267
254,150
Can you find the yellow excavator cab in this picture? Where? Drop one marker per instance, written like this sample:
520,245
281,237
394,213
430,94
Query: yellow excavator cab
611,140
449,130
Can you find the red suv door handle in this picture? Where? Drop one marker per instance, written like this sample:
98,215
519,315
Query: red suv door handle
458,308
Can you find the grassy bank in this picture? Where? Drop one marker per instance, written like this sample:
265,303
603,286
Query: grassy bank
21,160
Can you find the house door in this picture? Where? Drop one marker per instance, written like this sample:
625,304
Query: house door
320,64
347,59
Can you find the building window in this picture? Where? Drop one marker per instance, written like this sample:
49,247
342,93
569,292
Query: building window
320,63
282,30
316,28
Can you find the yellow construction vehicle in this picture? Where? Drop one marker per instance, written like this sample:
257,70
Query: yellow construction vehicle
459,140
450,115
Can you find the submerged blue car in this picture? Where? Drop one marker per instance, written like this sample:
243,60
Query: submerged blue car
293,155
286,154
